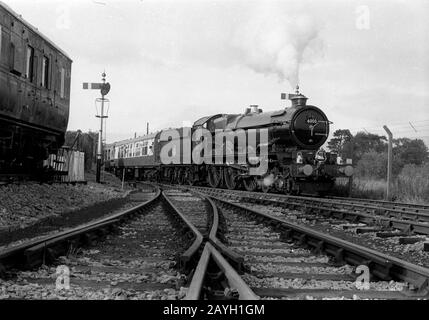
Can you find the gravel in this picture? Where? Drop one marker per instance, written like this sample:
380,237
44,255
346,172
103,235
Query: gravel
299,283
194,208
137,264
24,204
409,252
268,269
268,266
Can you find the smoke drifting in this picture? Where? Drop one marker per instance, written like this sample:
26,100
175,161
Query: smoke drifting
273,41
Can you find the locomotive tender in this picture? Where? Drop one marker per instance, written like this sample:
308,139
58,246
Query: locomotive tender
34,94
295,161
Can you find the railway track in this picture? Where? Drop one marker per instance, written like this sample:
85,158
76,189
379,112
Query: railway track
195,208
231,252
391,236
417,212
408,222
142,253
278,269
387,204
284,260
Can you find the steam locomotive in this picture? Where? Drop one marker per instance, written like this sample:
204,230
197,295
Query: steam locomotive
34,94
295,162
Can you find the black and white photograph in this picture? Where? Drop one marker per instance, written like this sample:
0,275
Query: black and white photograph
243,154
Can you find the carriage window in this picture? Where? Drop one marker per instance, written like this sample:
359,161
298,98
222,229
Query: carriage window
144,150
63,75
45,72
11,56
30,64
138,149
4,47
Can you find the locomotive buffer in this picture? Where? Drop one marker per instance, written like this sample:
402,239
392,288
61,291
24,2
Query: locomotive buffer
104,89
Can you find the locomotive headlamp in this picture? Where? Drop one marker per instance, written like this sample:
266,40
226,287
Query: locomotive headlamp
321,155
349,161
307,170
347,170
299,157
339,160
254,160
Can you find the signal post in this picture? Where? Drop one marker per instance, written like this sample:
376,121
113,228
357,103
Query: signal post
104,89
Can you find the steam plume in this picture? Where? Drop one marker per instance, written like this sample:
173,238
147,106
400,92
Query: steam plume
273,41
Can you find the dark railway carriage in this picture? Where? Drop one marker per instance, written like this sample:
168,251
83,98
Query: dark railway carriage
295,161
34,93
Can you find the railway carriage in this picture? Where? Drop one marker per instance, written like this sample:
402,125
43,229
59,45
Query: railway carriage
296,162
34,93
133,157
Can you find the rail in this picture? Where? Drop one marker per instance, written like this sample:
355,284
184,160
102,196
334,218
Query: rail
192,251
404,225
388,217
393,204
34,252
381,265
233,258
235,282
213,253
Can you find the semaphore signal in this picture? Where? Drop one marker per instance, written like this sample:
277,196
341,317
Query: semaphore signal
104,90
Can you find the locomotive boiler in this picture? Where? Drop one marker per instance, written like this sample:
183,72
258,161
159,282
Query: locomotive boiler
296,162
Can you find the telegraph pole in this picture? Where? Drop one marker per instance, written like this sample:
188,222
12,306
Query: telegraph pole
104,89
389,162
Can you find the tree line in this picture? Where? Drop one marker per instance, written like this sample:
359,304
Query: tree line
369,152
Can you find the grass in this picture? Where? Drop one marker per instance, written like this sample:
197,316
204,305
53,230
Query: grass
366,188
411,185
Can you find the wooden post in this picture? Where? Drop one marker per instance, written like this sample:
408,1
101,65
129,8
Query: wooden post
389,163
123,178
350,187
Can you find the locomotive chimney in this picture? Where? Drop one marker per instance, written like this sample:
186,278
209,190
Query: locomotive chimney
298,99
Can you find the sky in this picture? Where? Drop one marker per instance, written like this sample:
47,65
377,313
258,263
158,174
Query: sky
169,63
